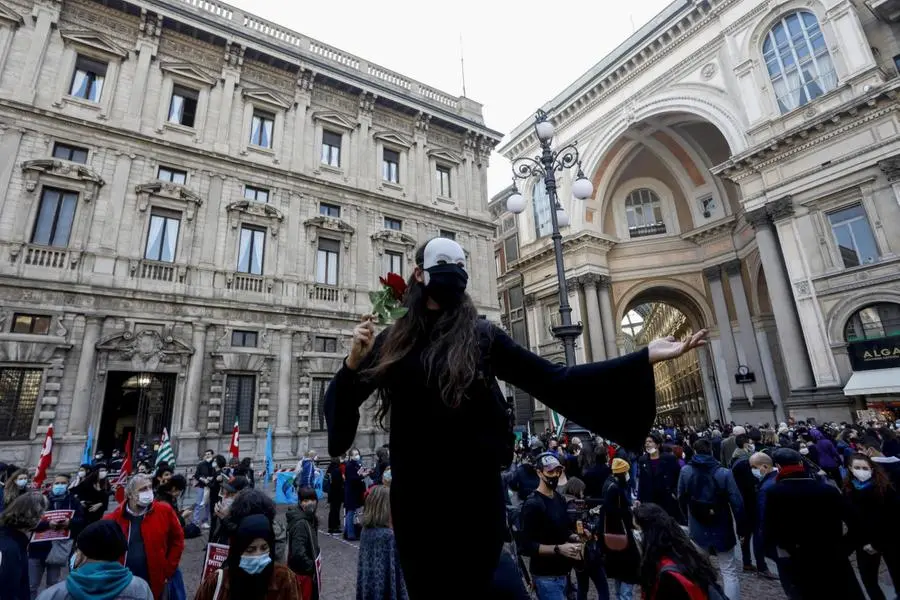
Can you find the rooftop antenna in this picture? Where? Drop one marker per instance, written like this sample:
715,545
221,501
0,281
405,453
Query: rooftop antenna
462,65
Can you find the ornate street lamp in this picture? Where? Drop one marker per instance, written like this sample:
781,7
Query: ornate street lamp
545,167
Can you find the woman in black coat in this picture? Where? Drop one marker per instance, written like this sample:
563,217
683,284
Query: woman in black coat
17,522
623,566
93,493
335,494
658,477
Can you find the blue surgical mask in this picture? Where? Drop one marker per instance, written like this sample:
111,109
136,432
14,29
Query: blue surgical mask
254,565
757,473
58,489
72,561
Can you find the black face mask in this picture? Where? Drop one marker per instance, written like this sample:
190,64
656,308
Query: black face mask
551,482
447,285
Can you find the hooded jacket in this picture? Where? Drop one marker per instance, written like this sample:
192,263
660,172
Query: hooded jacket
694,482
828,455
99,581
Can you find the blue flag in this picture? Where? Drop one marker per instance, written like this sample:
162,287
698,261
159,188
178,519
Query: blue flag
270,463
88,447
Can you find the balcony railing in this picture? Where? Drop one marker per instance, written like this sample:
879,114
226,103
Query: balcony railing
45,256
325,293
248,283
645,230
156,271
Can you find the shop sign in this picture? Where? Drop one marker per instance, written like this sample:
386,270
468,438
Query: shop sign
882,353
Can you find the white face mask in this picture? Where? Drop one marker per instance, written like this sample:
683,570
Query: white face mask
81,474
101,475
757,473
652,450
145,498
804,451
627,477
21,482
862,474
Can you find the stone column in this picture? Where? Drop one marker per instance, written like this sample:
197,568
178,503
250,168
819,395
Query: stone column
790,336
194,388
285,362
45,16
146,50
726,335
747,334
610,331
593,316
84,379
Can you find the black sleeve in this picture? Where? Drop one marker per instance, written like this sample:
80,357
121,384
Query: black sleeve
531,518
615,399
345,394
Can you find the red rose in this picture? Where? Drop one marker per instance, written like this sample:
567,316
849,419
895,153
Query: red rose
396,283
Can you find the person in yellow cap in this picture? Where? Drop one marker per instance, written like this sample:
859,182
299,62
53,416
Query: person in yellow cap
622,566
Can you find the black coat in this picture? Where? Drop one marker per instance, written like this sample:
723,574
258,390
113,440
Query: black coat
41,550
661,488
747,485
623,565
588,394
336,491
877,517
594,478
14,565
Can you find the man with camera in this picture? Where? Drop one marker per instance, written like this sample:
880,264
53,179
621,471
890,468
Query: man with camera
547,533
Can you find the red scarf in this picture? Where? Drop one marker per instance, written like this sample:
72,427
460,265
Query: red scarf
789,470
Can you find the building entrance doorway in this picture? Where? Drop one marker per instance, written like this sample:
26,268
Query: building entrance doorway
136,403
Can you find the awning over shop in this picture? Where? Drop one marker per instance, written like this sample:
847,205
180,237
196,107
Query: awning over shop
876,381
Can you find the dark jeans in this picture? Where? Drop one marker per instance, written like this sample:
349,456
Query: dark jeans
868,570
757,553
334,517
593,573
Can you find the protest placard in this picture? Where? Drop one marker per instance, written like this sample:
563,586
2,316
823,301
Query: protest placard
52,516
215,558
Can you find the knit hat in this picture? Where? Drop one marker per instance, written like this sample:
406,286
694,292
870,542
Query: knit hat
102,540
738,430
620,466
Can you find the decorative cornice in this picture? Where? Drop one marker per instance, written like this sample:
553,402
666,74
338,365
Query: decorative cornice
732,267
589,279
712,231
389,137
10,16
325,224
758,217
94,41
570,243
172,191
188,71
781,208
267,97
260,210
336,119
891,168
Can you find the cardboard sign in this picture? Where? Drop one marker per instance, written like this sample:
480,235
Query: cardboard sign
215,558
49,535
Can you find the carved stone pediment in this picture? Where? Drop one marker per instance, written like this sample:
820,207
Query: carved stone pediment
169,191
145,350
392,139
391,238
267,97
33,170
189,72
242,361
32,352
335,226
256,211
442,155
10,17
94,41
335,119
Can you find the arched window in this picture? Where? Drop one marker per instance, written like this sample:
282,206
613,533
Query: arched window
873,322
543,220
643,210
798,61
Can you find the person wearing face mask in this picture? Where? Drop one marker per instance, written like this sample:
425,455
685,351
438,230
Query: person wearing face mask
59,498
95,573
354,488
303,542
250,571
203,476
170,491
658,477
547,535
616,518
378,572
871,446
876,505
93,493
335,491
17,522
748,474
16,485
155,537
229,489
435,369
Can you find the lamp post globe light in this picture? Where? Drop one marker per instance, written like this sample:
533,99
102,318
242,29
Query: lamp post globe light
545,167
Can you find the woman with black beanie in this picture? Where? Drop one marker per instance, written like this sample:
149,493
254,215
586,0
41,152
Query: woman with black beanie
250,571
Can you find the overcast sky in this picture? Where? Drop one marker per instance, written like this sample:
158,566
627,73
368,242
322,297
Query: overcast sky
507,67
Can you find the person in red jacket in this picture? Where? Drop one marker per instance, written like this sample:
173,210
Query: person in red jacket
155,537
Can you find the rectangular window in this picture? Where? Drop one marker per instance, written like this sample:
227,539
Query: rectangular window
172,175
853,236
72,153
317,388
36,324
183,106
498,264
256,194
162,237
55,217
87,81
19,389
390,166
243,339
395,224
447,234
327,261
252,250
393,263
516,297
331,148
330,210
442,181
261,128
511,248
240,396
325,344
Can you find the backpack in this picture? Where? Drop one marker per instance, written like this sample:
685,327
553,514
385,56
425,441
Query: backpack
505,405
705,507
693,590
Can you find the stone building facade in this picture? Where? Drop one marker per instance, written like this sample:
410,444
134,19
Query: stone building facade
195,204
744,159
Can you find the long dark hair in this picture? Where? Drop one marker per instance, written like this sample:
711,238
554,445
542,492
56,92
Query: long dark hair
662,537
451,356
879,478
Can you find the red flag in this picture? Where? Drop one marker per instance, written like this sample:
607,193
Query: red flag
122,478
46,458
235,441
